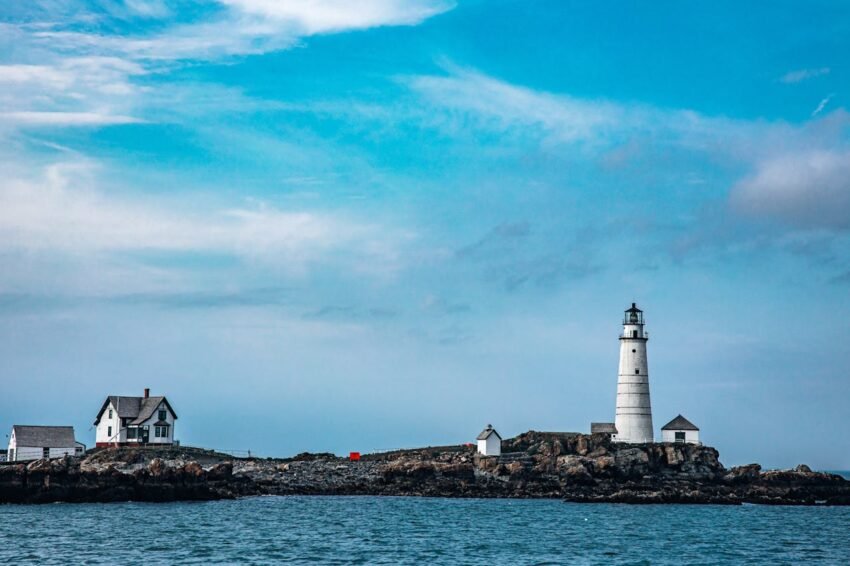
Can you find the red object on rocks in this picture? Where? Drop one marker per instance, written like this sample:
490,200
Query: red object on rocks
354,456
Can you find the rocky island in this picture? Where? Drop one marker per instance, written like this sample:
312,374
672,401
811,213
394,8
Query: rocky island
573,467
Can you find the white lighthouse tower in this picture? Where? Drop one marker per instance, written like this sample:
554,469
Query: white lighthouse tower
634,412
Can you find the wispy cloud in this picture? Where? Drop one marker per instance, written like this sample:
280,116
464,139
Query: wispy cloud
70,91
63,210
800,75
821,105
799,171
237,27
469,98
503,105
66,119
87,67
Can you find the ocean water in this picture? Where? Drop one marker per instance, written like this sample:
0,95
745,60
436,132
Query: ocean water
392,530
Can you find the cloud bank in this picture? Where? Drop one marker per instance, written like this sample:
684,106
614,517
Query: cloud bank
809,190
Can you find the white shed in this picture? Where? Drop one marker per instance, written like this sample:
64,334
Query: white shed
680,430
489,442
36,442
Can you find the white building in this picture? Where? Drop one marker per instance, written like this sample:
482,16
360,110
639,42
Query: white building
680,430
36,442
489,442
634,412
131,421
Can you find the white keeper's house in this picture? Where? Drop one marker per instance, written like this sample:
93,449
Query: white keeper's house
489,442
680,430
36,442
131,421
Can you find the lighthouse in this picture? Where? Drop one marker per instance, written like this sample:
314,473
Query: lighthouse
634,412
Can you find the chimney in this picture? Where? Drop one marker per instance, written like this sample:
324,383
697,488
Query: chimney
147,392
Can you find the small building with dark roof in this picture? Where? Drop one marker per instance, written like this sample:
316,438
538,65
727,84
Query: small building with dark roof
605,428
132,421
29,442
489,442
680,430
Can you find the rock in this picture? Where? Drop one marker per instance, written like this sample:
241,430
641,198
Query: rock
194,470
743,474
674,455
588,468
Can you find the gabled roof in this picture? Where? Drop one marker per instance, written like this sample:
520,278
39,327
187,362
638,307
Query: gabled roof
680,423
610,428
147,409
44,436
485,434
139,409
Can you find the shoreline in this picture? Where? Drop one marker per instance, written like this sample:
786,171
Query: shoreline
535,465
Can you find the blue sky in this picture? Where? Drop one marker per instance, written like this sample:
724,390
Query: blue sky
320,226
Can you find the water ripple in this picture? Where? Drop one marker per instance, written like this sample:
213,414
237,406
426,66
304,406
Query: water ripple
373,530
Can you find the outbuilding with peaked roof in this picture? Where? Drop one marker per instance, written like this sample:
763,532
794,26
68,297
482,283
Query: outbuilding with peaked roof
489,442
34,442
680,430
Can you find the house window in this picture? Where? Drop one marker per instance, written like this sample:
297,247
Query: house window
110,413
162,414
158,432
680,436
637,371
124,421
45,452
131,433
109,431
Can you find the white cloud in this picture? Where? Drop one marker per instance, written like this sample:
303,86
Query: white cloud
802,172
63,211
71,91
800,75
244,27
60,65
322,16
807,189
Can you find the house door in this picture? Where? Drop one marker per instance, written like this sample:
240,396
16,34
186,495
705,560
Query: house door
145,433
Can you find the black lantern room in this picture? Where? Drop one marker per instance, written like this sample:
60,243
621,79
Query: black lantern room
633,316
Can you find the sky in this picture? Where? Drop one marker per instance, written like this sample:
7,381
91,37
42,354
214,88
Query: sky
334,226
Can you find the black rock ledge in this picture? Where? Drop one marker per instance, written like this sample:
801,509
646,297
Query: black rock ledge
573,467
